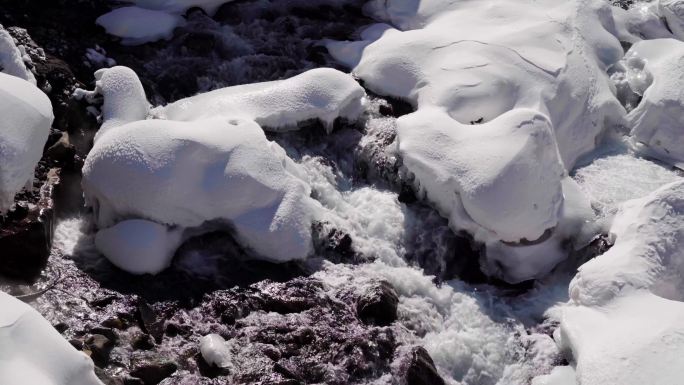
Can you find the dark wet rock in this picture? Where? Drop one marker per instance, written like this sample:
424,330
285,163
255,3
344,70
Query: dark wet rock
419,369
61,151
142,341
149,321
114,323
107,379
100,347
107,332
26,237
76,343
173,329
61,327
153,372
378,304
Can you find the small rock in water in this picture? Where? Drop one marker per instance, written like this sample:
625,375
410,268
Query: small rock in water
378,304
142,341
100,347
420,369
153,372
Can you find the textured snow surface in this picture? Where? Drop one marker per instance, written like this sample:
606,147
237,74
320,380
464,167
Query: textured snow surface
33,352
12,60
26,116
136,25
180,6
658,121
324,94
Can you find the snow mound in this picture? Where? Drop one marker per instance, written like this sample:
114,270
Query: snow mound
658,121
673,12
136,25
490,167
24,128
636,339
215,351
139,246
648,252
324,94
12,59
624,322
188,173
33,352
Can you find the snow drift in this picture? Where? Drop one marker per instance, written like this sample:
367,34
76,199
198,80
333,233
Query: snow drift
33,352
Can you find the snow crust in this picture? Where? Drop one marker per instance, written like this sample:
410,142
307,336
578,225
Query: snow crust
33,352
324,94
12,60
24,128
658,121
135,25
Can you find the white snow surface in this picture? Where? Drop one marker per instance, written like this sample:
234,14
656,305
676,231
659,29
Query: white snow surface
180,6
215,351
139,246
324,94
624,322
33,352
135,25
188,173
658,121
24,128
12,60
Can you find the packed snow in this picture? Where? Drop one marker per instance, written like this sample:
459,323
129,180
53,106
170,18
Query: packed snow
33,352
24,128
136,25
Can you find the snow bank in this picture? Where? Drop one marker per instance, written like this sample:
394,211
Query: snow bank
624,322
188,173
139,246
654,69
136,25
324,94
33,352
24,128
12,59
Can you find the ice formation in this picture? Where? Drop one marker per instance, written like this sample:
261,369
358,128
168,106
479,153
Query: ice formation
24,128
33,352
624,320
208,160
136,25
323,94
653,69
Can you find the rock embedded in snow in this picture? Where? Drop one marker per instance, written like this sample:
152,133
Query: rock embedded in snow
136,25
24,128
139,246
658,120
12,59
324,94
33,352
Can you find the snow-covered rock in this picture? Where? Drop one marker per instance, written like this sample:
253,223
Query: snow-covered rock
624,322
487,169
324,94
139,246
673,12
188,173
654,69
24,128
462,63
136,25
12,60
180,6
33,352
214,350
